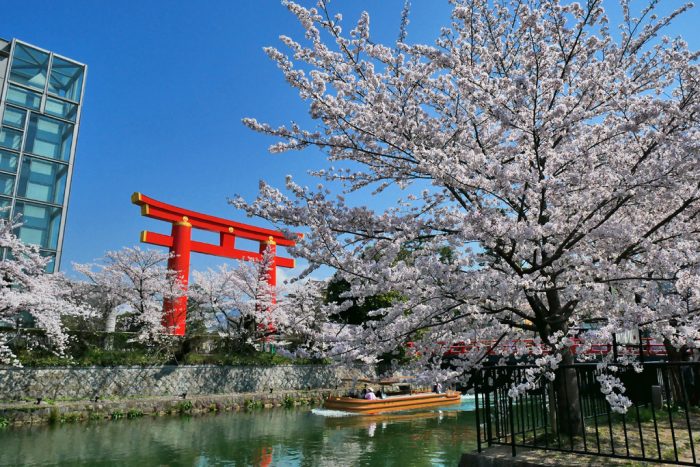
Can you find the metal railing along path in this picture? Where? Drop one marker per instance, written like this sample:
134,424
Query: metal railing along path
571,414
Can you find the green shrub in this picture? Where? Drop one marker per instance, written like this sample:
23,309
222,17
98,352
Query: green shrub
288,401
94,416
121,348
71,417
102,357
117,415
34,359
4,422
54,416
134,413
253,404
184,407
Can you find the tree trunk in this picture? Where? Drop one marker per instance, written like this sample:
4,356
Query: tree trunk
568,406
567,403
552,319
672,375
110,326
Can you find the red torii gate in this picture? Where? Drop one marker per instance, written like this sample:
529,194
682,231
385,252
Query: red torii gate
181,245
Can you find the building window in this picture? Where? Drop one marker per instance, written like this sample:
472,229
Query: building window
23,97
5,210
8,161
11,139
14,117
7,184
40,224
66,79
42,180
29,66
62,109
51,265
49,137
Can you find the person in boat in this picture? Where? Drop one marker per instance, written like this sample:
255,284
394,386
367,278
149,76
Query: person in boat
437,388
370,394
364,392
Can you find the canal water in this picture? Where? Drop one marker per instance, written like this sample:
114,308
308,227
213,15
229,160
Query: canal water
270,437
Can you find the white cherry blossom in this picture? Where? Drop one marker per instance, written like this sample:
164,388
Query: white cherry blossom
548,170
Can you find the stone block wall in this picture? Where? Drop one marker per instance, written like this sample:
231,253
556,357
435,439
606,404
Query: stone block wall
168,381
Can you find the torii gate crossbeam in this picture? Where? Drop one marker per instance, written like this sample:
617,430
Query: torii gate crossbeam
180,244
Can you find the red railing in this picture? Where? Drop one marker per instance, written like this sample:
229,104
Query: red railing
649,348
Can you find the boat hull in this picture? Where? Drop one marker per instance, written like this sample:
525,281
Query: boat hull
392,404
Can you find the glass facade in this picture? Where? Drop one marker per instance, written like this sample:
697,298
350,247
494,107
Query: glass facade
40,224
8,161
66,79
10,138
23,97
14,117
40,104
49,137
30,66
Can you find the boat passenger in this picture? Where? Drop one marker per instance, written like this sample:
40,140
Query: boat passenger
370,394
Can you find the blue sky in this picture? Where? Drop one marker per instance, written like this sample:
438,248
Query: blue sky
168,83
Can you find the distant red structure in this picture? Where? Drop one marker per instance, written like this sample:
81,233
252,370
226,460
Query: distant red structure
648,348
181,245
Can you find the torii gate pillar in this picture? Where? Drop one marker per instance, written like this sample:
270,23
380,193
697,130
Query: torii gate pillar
271,274
175,310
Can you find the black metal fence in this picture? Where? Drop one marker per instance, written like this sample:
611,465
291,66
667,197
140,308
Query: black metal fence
571,413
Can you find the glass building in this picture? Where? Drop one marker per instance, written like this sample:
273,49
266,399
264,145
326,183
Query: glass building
40,103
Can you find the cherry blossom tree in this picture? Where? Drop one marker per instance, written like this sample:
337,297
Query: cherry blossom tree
302,317
135,280
240,304
557,160
27,291
237,302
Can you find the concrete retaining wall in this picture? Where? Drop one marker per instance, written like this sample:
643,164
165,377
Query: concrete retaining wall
167,381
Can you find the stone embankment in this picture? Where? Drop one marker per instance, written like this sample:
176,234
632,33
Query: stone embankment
39,395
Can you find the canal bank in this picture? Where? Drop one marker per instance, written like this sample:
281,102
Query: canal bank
52,411
41,395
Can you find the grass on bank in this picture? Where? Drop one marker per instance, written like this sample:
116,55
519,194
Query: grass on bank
99,357
606,435
123,348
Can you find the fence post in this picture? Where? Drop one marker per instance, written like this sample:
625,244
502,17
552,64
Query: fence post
478,422
656,397
487,415
552,403
512,424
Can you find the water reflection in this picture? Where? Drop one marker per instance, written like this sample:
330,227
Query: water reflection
267,437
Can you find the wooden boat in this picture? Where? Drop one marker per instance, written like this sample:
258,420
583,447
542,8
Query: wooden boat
412,401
